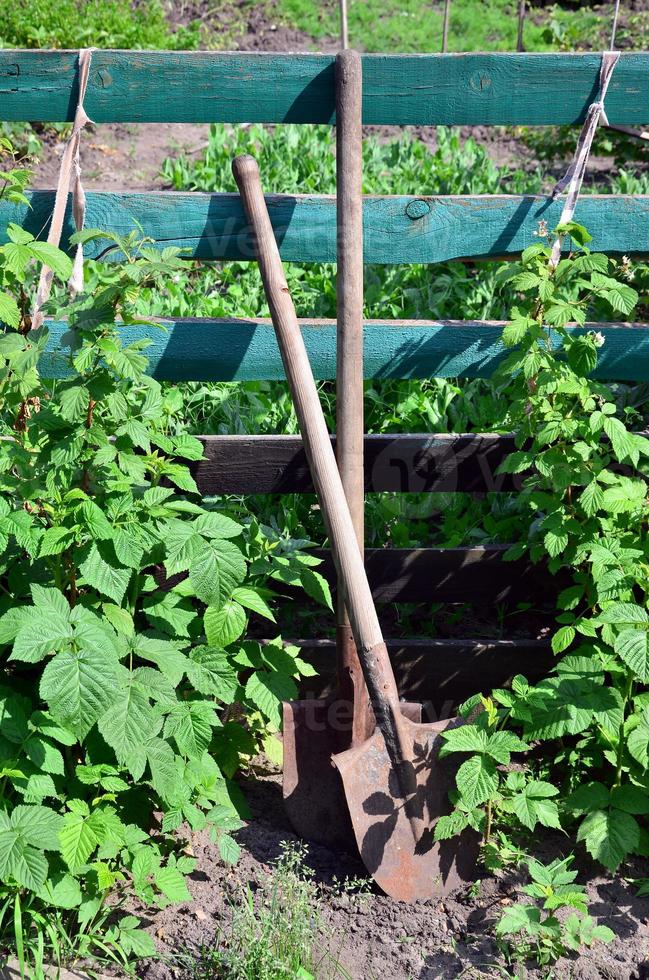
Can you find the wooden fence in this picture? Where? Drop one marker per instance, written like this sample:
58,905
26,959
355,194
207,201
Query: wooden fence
471,89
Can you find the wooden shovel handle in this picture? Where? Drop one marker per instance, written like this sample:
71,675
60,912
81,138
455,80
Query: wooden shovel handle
324,471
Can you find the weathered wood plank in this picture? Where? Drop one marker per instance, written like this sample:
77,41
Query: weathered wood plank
426,463
441,673
245,350
162,86
396,229
448,575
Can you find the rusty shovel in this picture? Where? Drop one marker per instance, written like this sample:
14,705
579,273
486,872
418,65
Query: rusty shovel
395,784
317,729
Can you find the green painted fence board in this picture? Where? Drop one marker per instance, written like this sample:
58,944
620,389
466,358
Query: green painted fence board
212,226
205,86
242,350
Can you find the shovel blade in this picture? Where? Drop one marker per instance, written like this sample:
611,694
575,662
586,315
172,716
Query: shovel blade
406,866
314,797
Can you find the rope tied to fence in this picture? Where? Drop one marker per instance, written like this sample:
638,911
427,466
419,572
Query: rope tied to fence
574,175
70,171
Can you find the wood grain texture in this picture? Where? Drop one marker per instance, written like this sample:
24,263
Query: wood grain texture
441,673
448,575
398,463
396,230
245,350
205,86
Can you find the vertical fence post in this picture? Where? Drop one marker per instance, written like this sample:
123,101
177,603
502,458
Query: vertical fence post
521,25
344,25
349,356
447,14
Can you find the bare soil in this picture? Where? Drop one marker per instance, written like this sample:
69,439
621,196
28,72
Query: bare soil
374,937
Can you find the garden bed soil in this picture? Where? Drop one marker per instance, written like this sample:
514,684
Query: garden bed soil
374,937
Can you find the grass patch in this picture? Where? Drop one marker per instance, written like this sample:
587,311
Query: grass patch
277,932
475,25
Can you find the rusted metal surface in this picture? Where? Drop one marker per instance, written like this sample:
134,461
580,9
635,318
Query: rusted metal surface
314,731
407,869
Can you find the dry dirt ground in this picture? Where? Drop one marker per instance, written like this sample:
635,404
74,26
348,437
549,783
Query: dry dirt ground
374,937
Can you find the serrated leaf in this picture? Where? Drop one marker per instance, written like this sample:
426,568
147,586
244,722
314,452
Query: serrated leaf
477,780
209,672
44,633
216,571
609,836
55,540
190,724
251,599
37,825
162,763
268,691
127,724
632,646
172,884
592,498
78,688
110,580
78,839
464,738
9,311
21,861
316,586
224,625
95,521
228,849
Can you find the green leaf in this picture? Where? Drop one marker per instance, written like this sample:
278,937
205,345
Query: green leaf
38,826
464,738
228,849
533,805
62,891
500,744
20,861
251,599
562,639
215,525
451,825
95,521
135,940
78,688
316,586
52,257
9,311
216,571
171,883
43,634
589,796
209,671
477,780
624,613
78,839
190,724
127,724
268,691
224,625
74,402
55,540
609,836
632,646
106,578
162,763
592,498
630,799
44,755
